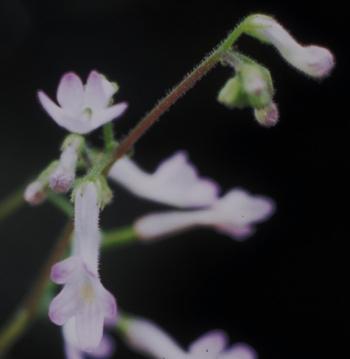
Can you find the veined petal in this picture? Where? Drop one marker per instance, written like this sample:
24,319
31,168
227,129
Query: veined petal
239,351
146,337
64,305
56,112
106,115
64,271
70,93
96,97
210,344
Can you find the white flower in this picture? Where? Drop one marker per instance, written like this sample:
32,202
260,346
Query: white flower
234,214
83,303
313,60
146,337
175,182
83,108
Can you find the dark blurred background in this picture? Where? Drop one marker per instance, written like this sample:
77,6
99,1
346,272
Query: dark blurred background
282,291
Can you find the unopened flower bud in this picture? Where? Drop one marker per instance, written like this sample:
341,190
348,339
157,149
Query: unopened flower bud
267,116
257,84
231,95
63,176
314,61
35,193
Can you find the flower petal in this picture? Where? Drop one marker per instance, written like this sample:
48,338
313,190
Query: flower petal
64,305
96,97
210,344
89,326
239,351
63,271
106,115
70,93
175,182
52,109
146,337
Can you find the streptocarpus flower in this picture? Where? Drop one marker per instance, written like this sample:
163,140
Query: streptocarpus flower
234,214
63,176
83,303
83,108
35,193
146,337
175,182
313,60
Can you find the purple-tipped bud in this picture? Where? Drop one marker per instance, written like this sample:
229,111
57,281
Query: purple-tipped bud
62,178
267,116
35,193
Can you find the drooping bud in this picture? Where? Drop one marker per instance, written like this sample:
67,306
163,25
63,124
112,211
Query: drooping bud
231,95
267,116
62,178
35,193
314,61
257,84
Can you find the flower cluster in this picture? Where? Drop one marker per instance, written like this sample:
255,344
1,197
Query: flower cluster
84,307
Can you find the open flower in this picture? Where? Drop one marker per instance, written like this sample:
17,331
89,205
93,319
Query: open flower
146,337
234,214
313,60
175,182
83,108
83,303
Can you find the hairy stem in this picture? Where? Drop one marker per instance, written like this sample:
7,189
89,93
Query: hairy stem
175,94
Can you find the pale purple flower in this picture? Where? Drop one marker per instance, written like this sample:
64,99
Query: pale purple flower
83,303
313,60
63,176
235,214
146,337
83,108
35,192
175,182
104,350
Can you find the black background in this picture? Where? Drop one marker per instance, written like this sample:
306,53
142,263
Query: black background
282,290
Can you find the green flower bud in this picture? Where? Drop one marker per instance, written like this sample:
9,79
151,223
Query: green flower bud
232,95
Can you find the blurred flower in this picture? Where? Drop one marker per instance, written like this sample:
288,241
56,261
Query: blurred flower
234,214
83,108
313,60
175,182
63,176
267,116
83,303
146,337
35,193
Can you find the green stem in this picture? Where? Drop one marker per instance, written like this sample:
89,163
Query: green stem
11,204
61,203
108,136
190,80
118,237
